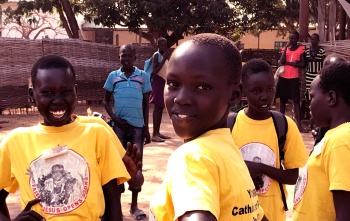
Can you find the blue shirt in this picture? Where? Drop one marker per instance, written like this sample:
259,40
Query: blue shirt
128,95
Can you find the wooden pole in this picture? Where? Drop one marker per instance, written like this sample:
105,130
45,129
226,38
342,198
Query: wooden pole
321,8
332,19
304,20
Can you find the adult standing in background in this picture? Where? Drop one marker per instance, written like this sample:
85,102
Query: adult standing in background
160,65
314,61
314,56
288,86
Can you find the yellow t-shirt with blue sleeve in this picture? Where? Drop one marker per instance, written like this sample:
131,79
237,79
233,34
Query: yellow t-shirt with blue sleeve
207,174
257,139
327,169
65,167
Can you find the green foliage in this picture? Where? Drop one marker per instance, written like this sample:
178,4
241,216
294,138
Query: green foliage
174,19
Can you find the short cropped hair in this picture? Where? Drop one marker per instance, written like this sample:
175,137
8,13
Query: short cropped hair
332,58
336,77
233,60
295,32
161,39
255,66
128,46
315,34
50,62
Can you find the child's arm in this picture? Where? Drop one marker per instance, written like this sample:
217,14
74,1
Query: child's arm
113,210
288,176
3,206
158,66
341,204
197,215
145,109
302,62
122,124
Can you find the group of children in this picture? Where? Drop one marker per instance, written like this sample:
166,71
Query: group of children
207,178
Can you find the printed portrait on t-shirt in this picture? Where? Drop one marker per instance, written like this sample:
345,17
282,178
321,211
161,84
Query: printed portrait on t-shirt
301,183
260,153
61,181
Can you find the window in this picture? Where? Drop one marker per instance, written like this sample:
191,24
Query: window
280,44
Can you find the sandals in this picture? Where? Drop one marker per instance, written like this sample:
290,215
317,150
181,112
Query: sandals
138,214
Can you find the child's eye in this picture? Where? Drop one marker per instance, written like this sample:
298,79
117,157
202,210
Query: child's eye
172,84
256,91
270,89
46,92
204,87
67,91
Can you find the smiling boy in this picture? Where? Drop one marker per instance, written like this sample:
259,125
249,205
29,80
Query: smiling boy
206,177
86,150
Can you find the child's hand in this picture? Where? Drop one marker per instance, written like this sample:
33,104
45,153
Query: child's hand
132,159
146,136
122,124
254,169
29,215
166,54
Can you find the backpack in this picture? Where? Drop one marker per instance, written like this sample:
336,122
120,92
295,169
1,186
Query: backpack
281,127
148,65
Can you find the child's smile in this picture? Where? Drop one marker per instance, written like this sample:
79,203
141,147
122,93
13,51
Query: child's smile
55,94
196,98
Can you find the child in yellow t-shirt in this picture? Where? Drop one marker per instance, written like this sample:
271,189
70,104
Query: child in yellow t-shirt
323,188
262,140
206,177
69,165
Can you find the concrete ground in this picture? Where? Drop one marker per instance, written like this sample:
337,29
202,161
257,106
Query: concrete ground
155,161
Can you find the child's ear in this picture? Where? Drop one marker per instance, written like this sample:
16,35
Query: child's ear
332,98
236,95
31,95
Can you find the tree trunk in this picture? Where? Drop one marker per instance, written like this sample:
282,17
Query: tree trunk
321,8
342,23
64,20
304,20
72,21
332,19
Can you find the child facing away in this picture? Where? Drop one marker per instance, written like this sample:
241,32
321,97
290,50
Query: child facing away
160,65
323,188
130,88
262,140
206,177
319,132
69,165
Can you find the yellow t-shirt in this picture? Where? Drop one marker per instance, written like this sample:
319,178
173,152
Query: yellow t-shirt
99,120
207,174
326,170
64,166
85,119
257,140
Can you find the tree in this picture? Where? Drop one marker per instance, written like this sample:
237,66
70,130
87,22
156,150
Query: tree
62,7
173,19
261,16
166,18
33,25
